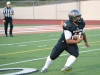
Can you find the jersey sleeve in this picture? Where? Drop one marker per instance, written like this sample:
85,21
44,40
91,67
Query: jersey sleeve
12,10
67,34
66,26
83,31
67,30
4,11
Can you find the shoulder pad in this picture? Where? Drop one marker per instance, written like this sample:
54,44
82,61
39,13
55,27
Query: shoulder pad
66,25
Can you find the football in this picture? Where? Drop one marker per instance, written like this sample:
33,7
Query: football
75,37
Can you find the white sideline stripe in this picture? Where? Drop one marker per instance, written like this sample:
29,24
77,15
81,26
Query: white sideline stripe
48,30
27,42
1,26
46,57
39,40
32,31
93,28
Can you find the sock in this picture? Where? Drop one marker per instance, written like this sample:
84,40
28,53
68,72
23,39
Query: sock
48,62
70,60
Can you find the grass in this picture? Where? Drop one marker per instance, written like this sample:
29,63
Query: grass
34,46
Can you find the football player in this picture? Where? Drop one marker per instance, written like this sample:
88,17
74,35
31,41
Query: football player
75,25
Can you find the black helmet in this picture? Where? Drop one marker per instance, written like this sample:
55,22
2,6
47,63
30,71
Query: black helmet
73,14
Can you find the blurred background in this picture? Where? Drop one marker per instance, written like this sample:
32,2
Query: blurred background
51,12
52,9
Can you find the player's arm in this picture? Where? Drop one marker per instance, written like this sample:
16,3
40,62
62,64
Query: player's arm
3,15
68,36
85,39
12,11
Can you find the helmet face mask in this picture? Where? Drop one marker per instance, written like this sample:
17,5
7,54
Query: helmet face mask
74,16
77,18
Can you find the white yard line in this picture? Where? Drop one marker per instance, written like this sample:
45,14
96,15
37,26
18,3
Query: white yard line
45,58
42,46
28,42
21,45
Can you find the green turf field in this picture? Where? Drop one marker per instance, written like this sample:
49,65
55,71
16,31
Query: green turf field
31,50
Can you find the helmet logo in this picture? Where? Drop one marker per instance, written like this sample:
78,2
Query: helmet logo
73,13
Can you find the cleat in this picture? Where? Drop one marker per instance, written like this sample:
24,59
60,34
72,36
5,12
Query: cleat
66,69
11,35
6,35
43,70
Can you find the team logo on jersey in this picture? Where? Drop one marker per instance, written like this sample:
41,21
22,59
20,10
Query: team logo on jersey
77,31
64,24
77,28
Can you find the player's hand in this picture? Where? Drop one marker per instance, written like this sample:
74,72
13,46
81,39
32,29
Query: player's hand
79,39
4,21
11,14
87,45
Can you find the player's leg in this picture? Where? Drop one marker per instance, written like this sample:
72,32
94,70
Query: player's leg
57,50
47,64
73,51
6,28
11,27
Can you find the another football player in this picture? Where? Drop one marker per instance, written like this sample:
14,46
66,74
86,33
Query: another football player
75,25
